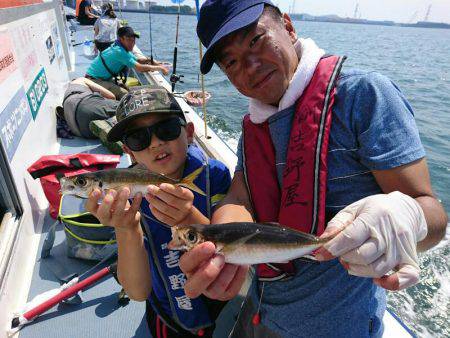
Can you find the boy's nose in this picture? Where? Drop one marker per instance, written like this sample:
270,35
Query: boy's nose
155,142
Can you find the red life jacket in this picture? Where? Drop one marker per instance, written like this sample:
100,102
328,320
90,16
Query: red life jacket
300,203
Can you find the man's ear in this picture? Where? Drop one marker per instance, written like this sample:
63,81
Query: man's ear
289,27
129,152
190,129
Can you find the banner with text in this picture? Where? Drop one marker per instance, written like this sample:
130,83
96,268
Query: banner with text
14,120
8,62
37,92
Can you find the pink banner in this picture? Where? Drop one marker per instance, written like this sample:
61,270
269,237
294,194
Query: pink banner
24,50
18,3
8,62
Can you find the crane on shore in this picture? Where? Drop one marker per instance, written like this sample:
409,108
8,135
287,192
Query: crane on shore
357,12
427,16
292,8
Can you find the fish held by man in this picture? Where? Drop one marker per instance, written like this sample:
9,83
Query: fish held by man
137,180
248,243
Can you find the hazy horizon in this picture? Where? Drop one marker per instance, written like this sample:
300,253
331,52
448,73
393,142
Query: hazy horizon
398,10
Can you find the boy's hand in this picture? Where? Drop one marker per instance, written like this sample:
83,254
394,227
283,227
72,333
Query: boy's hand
115,210
169,203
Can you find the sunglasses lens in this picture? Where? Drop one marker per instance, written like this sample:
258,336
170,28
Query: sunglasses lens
168,130
138,140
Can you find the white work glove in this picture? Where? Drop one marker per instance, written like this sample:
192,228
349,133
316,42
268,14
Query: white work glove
379,234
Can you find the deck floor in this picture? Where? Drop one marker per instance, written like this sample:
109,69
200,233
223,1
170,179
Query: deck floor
99,314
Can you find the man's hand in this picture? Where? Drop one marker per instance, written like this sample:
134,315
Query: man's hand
115,210
376,235
164,69
208,274
169,203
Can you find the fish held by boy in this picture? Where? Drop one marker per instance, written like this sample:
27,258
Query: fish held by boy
137,180
248,243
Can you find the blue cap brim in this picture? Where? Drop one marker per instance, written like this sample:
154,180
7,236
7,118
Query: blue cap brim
243,19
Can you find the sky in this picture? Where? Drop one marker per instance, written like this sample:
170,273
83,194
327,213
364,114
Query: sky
395,10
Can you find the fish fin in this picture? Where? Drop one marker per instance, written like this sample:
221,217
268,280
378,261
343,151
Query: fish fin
219,248
188,181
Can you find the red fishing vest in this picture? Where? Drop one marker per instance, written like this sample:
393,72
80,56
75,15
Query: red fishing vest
300,203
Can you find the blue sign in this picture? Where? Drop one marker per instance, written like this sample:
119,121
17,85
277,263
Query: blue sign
14,120
37,92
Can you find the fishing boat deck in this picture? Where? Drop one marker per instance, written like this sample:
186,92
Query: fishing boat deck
99,314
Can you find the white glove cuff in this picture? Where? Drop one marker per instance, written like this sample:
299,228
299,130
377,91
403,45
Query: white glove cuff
416,213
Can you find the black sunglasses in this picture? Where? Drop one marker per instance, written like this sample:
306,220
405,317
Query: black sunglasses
166,130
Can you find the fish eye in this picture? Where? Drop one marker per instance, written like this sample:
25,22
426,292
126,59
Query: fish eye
191,236
81,182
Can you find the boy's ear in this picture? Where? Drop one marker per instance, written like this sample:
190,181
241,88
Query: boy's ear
129,152
190,132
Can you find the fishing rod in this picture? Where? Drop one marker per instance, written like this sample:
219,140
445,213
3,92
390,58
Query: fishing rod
53,297
150,31
202,77
80,43
202,80
120,9
174,78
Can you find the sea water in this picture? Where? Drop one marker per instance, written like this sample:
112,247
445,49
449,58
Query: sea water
416,59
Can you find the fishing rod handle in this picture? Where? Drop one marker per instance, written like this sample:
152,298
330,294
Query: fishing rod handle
69,292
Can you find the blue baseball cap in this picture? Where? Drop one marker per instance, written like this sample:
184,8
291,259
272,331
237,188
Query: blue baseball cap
219,18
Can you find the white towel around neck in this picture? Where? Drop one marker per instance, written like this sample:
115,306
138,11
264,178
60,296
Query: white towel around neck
309,56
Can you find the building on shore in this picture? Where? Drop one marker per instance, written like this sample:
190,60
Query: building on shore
132,5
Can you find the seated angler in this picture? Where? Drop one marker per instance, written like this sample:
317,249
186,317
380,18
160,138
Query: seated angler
86,15
86,101
110,67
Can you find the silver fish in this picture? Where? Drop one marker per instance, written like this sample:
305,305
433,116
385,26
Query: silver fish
137,180
248,243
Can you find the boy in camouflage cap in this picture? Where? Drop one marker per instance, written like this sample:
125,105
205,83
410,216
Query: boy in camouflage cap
154,131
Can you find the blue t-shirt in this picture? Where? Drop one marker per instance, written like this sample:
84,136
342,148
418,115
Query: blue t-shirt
373,128
116,57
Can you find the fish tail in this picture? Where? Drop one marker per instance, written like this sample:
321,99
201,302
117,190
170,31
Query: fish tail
188,181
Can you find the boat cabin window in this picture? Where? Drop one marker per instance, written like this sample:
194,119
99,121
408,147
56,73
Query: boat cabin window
9,198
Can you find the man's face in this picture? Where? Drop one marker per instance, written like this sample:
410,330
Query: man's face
260,60
128,42
163,157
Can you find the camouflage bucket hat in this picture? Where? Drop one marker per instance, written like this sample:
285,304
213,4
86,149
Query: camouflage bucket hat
142,101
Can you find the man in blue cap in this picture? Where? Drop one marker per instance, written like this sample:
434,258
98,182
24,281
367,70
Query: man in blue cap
324,151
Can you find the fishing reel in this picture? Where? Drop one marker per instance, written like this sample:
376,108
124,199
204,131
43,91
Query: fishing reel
174,78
